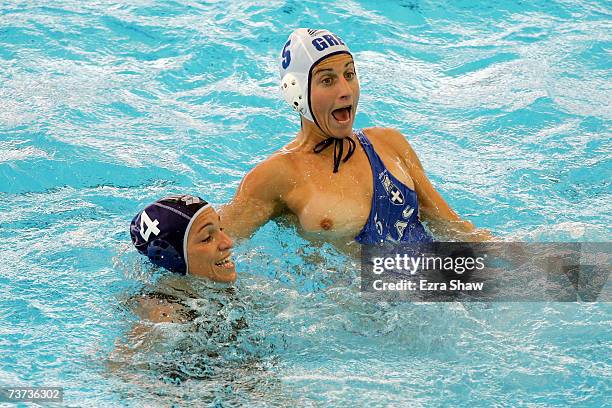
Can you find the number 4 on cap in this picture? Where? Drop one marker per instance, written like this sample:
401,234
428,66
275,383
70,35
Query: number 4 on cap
151,226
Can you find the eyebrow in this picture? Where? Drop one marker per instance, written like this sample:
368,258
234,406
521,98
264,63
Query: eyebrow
204,226
208,224
318,71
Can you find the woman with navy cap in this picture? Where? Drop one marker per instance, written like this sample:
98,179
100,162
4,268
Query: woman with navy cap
183,234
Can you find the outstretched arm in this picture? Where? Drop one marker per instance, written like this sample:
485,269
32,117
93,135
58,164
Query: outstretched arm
257,200
441,218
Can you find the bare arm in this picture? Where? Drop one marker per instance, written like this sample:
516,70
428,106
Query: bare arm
440,216
141,337
257,200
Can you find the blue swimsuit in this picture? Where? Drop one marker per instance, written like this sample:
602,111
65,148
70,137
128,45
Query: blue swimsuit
394,215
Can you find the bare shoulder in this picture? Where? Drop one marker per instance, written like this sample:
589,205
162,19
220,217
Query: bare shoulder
386,136
259,197
271,176
395,140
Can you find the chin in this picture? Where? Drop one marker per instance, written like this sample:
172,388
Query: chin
230,279
226,276
342,133
339,132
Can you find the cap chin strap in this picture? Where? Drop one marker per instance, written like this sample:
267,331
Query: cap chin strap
338,149
294,95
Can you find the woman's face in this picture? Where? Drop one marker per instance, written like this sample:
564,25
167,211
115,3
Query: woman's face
209,248
334,94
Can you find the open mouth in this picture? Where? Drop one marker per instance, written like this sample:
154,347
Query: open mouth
225,263
342,115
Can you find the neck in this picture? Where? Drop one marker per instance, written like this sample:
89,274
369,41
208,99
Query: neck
311,134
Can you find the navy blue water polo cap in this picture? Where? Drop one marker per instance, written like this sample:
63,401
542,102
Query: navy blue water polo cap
160,230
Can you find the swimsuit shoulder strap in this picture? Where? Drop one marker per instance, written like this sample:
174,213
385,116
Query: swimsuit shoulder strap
369,149
362,138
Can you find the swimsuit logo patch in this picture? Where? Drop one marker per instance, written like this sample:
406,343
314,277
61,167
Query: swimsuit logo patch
379,226
407,212
386,181
400,226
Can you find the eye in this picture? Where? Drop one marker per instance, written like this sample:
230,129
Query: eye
208,239
350,75
326,81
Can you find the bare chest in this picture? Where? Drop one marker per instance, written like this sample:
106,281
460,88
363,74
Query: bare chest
336,204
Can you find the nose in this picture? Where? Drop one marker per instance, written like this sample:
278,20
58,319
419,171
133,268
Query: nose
346,92
225,242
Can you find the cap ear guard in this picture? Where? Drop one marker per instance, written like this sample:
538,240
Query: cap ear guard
293,93
162,253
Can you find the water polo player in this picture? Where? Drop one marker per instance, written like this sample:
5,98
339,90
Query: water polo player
182,233
366,186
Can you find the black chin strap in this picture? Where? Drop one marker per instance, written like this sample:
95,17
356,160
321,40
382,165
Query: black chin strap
338,149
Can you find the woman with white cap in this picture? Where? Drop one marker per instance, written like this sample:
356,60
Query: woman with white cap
366,186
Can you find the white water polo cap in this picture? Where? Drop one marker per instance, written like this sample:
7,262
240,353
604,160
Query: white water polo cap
304,49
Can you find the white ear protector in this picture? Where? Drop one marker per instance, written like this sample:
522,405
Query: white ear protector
293,93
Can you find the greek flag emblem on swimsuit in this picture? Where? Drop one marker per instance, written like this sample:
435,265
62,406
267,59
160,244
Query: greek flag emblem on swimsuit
395,195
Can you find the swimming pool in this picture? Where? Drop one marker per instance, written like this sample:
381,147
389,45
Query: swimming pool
105,107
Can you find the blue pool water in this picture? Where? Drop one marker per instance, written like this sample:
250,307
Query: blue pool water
106,106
